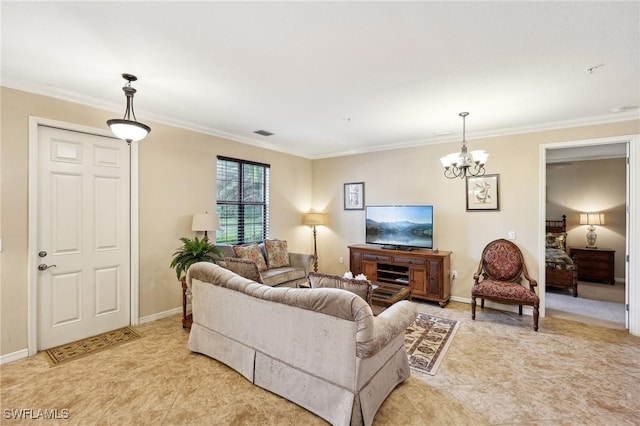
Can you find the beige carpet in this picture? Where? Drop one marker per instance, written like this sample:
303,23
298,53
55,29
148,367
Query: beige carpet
596,303
427,341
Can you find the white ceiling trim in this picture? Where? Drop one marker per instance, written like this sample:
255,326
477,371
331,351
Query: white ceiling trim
45,90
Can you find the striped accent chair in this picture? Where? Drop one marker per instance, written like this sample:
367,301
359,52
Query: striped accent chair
499,279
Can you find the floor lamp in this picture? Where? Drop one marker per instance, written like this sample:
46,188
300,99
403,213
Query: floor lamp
314,219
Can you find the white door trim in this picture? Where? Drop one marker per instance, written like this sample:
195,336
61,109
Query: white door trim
633,230
32,257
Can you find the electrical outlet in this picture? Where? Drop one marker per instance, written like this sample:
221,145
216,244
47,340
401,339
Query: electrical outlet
341,259
454,275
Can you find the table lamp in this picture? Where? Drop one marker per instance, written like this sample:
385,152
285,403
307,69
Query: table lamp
591,219
205,222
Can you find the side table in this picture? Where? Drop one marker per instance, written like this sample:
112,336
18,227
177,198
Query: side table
187,319
594,264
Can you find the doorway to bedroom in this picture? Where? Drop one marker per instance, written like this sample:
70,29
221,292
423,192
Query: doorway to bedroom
589,180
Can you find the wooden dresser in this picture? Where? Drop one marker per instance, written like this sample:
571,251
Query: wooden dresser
425,272
594,264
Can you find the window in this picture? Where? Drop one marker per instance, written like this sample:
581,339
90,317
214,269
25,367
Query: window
243,201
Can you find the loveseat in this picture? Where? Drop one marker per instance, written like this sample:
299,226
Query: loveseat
275,265
320,348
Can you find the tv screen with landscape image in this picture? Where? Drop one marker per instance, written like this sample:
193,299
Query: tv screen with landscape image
400,226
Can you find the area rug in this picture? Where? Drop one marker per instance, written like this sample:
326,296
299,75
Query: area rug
427,341
88,346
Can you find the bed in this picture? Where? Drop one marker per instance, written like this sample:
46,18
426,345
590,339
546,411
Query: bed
560,270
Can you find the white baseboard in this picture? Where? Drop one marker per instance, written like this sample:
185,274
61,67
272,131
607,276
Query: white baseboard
160,315
14,356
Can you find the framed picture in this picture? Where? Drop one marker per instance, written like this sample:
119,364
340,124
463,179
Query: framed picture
483,193
354,196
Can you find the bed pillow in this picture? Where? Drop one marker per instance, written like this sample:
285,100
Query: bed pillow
556,240
277,253
251,252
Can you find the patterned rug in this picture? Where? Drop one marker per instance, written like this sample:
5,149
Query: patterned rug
427,341
88,346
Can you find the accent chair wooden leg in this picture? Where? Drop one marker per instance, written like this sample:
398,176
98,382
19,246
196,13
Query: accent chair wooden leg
536,315
473,308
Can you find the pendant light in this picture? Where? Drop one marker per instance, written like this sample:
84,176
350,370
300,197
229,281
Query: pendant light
125,128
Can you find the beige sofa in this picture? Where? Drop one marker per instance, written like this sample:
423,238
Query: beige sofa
320,348
285,276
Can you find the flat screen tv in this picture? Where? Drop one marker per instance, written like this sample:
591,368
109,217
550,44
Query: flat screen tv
400,227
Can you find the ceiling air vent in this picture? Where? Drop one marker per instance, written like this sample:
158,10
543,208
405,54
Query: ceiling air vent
263,133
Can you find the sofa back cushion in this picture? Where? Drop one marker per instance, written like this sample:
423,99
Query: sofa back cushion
251,252
362,288
277,253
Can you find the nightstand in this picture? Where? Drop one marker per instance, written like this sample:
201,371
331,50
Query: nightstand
594,264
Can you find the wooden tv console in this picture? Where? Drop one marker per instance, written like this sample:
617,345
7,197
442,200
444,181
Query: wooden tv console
425,272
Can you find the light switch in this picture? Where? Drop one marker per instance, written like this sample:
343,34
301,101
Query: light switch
511,235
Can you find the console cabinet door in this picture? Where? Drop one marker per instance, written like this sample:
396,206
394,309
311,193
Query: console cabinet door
418,279
370,269
355,262
434,278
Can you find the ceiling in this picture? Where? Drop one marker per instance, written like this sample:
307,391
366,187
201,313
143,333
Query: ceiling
334,78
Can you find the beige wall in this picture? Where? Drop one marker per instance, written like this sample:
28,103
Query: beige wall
414,175
594,185
176,180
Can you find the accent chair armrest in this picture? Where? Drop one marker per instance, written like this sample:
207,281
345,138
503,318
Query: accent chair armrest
301,260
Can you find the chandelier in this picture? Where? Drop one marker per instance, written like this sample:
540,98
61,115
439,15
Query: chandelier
125,128
463,163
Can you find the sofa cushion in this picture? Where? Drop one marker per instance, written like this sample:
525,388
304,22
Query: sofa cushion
277,253
251,252
362,288
275,277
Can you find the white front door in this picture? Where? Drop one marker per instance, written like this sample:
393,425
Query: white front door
83,283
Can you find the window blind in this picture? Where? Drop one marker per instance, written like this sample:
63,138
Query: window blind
242,201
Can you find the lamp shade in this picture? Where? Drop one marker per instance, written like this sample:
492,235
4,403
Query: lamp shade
313,219
205,222
591,218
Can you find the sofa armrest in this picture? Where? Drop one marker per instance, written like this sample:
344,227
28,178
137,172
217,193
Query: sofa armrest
386,326
301,260
245,268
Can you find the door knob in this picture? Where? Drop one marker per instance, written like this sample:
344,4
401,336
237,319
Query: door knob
42,253
44,267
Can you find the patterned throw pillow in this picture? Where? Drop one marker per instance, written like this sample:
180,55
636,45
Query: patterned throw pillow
277,253
251,252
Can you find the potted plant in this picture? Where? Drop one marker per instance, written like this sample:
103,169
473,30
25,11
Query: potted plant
193,251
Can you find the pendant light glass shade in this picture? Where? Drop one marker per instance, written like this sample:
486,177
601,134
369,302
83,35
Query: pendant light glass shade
130,131
126,128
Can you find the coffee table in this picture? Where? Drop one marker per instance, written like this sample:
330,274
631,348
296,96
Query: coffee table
385,294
